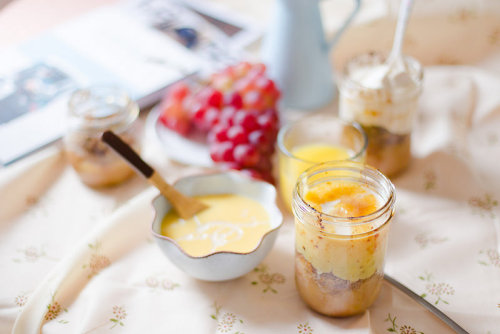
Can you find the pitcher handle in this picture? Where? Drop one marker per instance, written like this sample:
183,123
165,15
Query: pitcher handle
347,22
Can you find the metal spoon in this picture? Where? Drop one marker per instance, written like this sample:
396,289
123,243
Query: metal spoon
443,317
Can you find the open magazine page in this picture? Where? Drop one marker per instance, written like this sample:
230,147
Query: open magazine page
140,46
215,34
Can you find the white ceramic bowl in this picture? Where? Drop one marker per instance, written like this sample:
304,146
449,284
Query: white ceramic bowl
219,266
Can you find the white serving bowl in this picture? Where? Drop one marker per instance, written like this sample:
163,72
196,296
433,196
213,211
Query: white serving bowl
219,266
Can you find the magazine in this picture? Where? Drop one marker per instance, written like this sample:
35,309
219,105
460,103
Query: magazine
141,46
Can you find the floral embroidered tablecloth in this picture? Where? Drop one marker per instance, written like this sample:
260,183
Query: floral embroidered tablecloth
78,260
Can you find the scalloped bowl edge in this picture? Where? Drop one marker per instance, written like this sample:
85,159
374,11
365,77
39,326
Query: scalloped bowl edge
219,266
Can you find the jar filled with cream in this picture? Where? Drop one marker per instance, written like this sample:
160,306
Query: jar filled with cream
384,102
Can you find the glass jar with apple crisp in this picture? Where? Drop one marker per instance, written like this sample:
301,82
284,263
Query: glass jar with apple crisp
91,112
342,215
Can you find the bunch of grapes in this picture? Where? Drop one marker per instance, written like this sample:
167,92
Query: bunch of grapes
237,110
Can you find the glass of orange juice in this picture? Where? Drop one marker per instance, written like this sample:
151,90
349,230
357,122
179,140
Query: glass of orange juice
314,139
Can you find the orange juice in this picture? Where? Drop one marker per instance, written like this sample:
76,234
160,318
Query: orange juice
304,156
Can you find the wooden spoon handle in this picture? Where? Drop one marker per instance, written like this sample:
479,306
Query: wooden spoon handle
124,149
185,206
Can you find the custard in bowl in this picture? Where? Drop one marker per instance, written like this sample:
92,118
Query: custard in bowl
229,238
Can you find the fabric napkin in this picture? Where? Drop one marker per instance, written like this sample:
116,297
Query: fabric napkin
119,234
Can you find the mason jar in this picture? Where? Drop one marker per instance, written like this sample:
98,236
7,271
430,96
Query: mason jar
384,101
342,215
91,111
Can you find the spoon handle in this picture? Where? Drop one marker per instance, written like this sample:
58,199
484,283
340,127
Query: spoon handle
403,17
124,149
185,206
426,304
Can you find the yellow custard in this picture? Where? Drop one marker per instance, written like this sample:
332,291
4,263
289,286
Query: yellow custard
232,223
305,156
342,199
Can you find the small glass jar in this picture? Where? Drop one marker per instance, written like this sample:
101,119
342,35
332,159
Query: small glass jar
314,139
340,245
91,112
384,103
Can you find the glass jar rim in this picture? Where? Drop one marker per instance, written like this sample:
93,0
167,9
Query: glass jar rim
412,63
284,130
111,95
350,166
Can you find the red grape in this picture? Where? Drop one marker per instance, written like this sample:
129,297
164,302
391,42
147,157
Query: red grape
199,117
233,99
220,133
210,118
227,115
246,155
240,70
222,151
215,99
266,122
258,138
247,119
253,99
237,135
222,82
179,91
174,116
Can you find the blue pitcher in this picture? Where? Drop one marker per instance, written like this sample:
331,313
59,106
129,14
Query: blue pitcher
296,53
